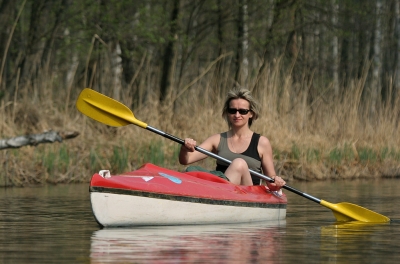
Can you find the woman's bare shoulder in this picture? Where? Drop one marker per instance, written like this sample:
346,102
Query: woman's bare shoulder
214,138
211,142
264,143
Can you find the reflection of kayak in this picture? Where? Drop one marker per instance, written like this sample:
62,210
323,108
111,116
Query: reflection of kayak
227,243
153,195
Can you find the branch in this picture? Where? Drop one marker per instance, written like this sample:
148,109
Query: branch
35,139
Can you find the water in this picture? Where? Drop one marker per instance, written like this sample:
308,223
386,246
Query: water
54,224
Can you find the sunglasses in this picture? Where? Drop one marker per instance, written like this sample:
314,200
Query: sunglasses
233,111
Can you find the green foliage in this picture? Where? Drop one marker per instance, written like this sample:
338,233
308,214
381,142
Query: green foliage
367,155
48,161
336,156
313,155
176,151
276,154
340,155
56,160
385,153
154,153
119,159
389,154
93,163
296,153
310,155
63,158
348,152
395,154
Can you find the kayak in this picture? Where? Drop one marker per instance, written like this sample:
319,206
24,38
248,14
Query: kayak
152,195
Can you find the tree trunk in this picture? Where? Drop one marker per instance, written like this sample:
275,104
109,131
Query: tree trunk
31,60
116,69
242,62
128,45
50,40
272,21
218,73
321,47
377,63
6,35
6,14
344,55
335,49
397,36
72,69
169,55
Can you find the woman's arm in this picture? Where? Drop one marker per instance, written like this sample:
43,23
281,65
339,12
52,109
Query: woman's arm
267,163
188,155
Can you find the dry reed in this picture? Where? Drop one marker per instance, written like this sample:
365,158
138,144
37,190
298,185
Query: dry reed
314,135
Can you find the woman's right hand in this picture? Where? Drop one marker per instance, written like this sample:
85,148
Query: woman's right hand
190,144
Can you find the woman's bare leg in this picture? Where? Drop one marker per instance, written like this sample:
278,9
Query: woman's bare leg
238,172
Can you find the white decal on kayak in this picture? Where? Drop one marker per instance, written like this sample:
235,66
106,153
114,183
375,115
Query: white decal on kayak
171,178
147,178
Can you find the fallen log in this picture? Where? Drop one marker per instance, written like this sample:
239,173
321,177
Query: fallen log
35,139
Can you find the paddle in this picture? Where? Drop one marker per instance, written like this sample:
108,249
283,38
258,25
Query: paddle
113,113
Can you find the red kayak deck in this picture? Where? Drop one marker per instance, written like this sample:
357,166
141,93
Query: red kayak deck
154,181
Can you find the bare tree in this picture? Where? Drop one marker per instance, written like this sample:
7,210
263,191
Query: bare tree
116,67
242,61
9,32
397,34
169,55
335,49
221,49
377,57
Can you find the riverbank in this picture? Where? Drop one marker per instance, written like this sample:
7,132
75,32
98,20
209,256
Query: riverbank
316,149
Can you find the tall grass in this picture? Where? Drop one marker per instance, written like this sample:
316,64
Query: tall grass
314,134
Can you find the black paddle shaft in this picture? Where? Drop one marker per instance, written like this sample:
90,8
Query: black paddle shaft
252,172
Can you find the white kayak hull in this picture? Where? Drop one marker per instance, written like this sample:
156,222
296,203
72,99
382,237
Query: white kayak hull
127,210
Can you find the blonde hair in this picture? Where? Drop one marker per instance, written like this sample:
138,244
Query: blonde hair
241,93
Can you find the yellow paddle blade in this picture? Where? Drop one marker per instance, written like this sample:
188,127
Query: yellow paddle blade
352,212
105,109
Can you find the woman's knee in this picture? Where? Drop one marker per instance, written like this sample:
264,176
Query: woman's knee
240,164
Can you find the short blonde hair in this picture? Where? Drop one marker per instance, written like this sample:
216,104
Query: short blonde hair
241,93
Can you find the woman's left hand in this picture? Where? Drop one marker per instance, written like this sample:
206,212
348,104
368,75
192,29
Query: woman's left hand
277,184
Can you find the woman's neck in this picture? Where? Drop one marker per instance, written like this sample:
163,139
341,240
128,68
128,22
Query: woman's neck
243,132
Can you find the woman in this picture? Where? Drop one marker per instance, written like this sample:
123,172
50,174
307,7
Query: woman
246,149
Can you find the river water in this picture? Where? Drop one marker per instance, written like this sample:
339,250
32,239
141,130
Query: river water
54,224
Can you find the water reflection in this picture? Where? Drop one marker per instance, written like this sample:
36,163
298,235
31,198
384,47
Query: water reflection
54,224
45,224
240,243
348,229
355,241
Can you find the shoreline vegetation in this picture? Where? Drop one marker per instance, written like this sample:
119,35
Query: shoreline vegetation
328,140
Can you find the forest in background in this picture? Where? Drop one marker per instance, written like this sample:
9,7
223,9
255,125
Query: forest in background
327,74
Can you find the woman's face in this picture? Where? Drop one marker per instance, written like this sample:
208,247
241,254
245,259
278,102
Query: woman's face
238,119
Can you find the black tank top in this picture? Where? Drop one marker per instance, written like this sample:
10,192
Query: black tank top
250,155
